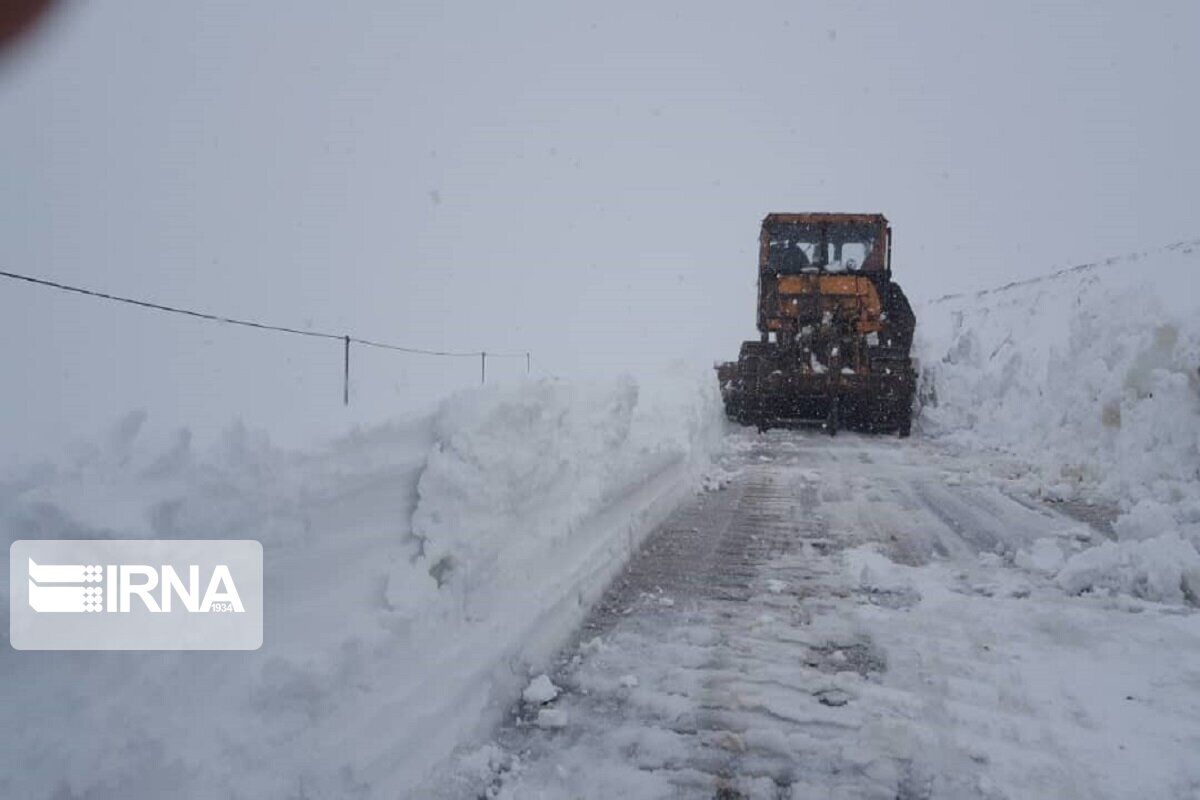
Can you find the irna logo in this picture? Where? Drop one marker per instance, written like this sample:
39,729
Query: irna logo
154,594
84,588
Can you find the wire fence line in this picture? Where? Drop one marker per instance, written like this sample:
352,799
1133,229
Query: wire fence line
1186,245
345,339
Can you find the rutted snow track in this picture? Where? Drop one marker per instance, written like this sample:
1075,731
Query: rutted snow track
843,619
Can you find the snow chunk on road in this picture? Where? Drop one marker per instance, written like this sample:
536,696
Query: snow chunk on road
1165,568
540,691
873,570
1045,557
1145,520
551,718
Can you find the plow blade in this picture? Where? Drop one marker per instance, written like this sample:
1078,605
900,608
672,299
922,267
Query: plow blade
764,393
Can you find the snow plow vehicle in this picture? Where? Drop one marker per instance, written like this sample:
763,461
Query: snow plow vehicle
835,330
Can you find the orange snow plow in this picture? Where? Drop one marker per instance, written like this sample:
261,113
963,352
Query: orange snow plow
835,330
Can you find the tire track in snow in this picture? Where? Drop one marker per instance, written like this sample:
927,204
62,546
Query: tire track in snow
744,653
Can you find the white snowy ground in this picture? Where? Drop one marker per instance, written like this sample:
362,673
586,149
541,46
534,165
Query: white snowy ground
415,573
857,618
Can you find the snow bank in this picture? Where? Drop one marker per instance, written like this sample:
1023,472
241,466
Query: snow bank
418,574
1091,376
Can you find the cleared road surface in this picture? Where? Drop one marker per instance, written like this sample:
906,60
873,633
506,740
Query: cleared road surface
844,618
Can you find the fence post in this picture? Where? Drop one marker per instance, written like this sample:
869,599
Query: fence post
346,370
482,368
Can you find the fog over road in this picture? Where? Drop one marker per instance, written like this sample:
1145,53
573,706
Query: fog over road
854,617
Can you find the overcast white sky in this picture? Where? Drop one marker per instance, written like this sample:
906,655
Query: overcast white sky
583,180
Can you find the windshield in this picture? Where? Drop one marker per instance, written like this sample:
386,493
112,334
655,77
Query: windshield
819,247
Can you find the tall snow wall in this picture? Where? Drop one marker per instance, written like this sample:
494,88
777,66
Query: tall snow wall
417,573
1091,376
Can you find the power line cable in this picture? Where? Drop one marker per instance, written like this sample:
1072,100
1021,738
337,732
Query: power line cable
1184,245
160,307
346,339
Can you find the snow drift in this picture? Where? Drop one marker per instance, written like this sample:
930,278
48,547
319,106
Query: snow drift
1090,376
417,574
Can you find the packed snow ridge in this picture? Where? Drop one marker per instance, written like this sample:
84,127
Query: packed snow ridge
1089,377
418,574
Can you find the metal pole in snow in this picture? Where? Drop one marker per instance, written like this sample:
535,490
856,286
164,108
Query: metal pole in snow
482,368
346,371
528,362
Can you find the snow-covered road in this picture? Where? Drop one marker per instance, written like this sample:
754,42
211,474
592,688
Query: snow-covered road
856,617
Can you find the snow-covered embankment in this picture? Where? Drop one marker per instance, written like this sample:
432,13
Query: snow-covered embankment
1090,376
416,574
